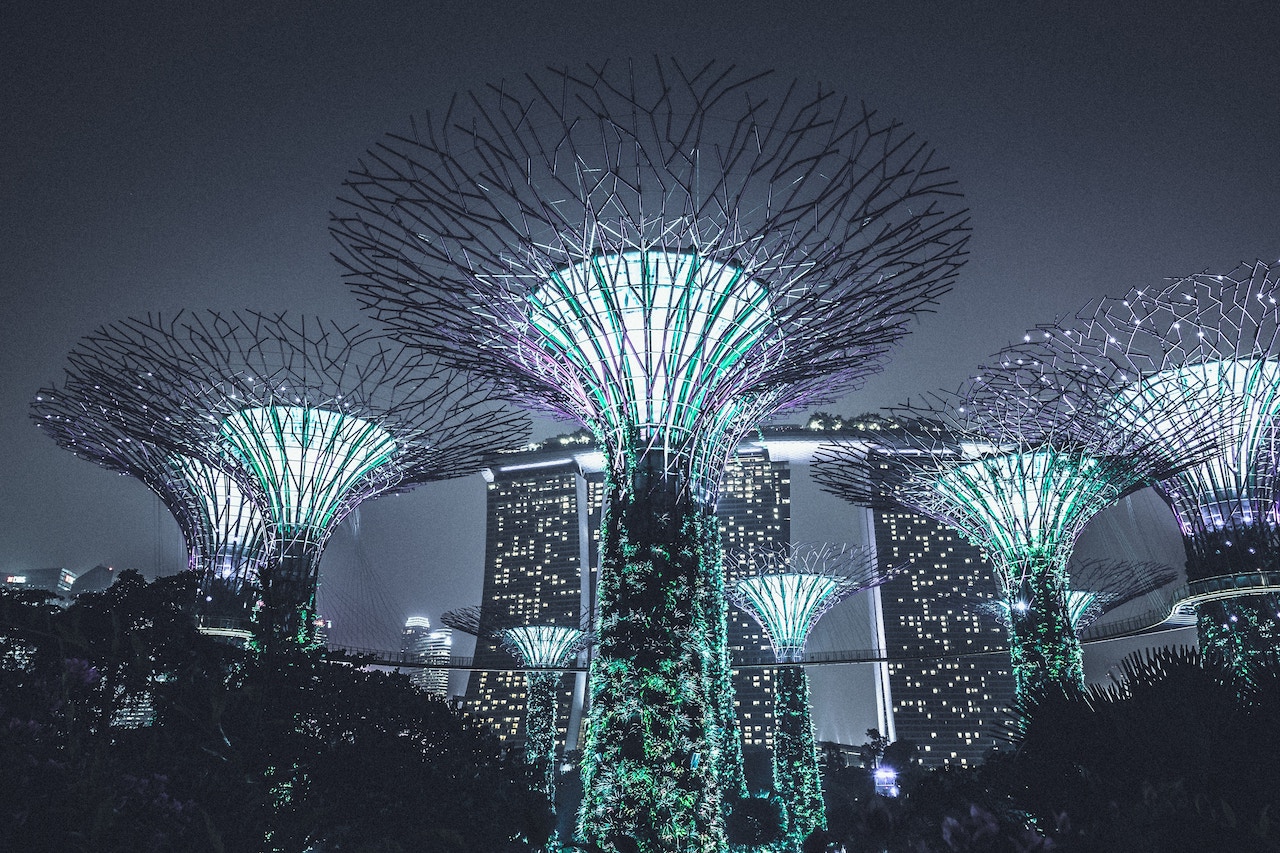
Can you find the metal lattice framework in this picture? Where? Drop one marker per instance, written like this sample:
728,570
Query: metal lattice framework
665,256
309,417
1098,586
1205,345
787,589
1018,461
221,525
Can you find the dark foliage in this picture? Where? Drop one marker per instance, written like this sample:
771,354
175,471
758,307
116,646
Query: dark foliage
287,753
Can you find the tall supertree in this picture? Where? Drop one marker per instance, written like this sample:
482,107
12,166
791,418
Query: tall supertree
666,257
1207,345
309,417
222,526
1018,461
544,650
787,589
1098,586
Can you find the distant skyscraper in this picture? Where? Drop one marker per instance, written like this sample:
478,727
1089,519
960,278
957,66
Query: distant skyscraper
948,706
421,644
542,513
53,580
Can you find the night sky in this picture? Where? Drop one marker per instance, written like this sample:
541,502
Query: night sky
158,157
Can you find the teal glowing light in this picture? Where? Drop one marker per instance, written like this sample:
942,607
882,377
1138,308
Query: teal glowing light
788,605
1029,503
1241,484
308,462
1082,608
542,645
652,341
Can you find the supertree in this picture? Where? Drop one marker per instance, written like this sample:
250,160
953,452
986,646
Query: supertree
1205,344
544,650
309,417
666,259
1098,586
221,525
1018,461
787,589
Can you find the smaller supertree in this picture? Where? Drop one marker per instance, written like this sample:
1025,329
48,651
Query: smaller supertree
1098,586
544,650
787,589
221,525
1018,461
308,416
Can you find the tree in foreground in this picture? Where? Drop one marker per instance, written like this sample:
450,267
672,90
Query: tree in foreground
787,590
1018,461
222,526
543,650
1202,345
247,753
665,256
1098,586
309,417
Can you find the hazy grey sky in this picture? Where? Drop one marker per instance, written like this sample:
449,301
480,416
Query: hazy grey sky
163,156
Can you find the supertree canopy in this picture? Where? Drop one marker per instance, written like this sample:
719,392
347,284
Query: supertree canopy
666,257
221,525
1018,461
308,417
544,650
1206,345
1098,586
787,590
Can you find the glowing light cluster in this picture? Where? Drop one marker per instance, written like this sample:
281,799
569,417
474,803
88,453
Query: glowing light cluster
787,605
308,463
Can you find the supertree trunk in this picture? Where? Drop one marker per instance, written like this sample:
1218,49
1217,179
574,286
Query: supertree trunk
652,729
289,597
795,756
1043,646
542,689
733,782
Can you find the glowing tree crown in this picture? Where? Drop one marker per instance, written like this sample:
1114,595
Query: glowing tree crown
549,646
222,526
1203,346
664,257
1018,460
787,589
309,416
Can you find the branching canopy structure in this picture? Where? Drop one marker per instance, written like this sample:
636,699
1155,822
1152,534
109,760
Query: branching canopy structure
1018,461
222,526
787,590
308,417
1202,346
546,647
666,257
1098,586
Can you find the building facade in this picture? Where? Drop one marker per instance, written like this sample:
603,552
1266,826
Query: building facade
949,706
421,643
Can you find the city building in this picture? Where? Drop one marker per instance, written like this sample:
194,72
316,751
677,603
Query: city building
421,643
949,706
54,580
543,512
